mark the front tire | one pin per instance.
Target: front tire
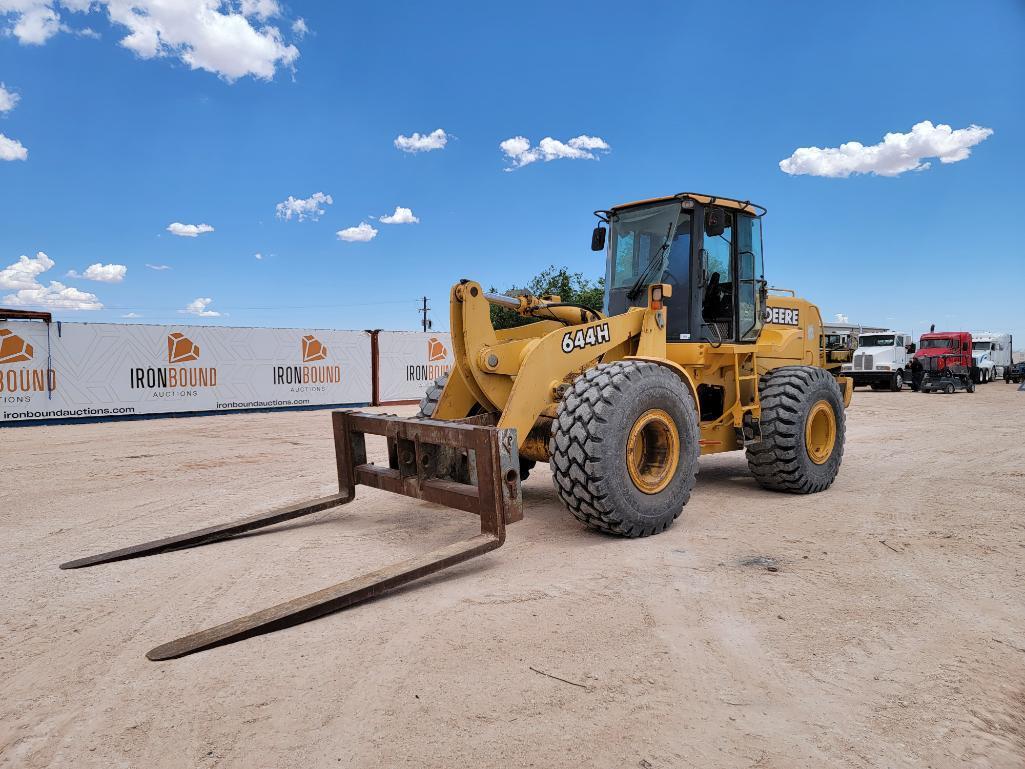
(803, 429)
(430, 402)
(898, 382)
(625, 447)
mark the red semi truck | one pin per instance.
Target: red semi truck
(943, 362)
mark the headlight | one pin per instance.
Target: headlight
(885, 367)
(847, 367)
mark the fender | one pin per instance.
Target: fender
(676, 368)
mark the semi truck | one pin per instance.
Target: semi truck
(991, 355)
(881, 360)
(943, 362)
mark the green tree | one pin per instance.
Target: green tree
(570, 287)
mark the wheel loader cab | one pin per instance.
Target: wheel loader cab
(709, 250)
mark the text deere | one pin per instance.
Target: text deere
(782, 316)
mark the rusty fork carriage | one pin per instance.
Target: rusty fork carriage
(469, 464)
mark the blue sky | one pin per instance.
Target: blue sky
(232, 109)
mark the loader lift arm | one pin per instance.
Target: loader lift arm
(417, 468)
(518, 373)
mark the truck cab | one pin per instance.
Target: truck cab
(881, 360)
(992, 356)
(943, 354)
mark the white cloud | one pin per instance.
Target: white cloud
(229, 39)
(188, 230)
(894, 155)
(131, 315)
(159, 267)
(435, 140)
(33, 22)
(299, 28)
(12, 149)
(261, 9)
(56, 296)
(841, 318)
(102, 273)
(401, 216)
(199, 307)
(361, 233)
(518, 151)
(8, 99)
(303, 208)
(258, 256)
(23, 273)
(29, 292)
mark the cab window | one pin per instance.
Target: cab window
(750, 276)
(717, 301)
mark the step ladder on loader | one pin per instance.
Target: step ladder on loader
(469, 465)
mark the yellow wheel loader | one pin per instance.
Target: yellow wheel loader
(692, 354)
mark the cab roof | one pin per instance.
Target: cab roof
(745, 206)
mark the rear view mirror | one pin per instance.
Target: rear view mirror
(911, 348)
(598, 239)
(715, 221)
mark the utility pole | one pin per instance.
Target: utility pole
(423, 311)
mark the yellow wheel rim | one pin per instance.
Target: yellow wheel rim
(653, 451)
(820, 432)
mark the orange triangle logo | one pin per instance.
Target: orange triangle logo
(181, 349)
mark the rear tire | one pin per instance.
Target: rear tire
(599, 434)
(795, 455)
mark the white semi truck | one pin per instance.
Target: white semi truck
(991, 354)
(881, 360)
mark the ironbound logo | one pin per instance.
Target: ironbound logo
(428, 372)
(180, 349)
(782, 316)
(312, 350)
(14, 349)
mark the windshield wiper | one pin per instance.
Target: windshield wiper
(642, 279)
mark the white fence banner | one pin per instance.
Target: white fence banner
(105, 369)
(408, 362)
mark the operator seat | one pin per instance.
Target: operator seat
(717, 308)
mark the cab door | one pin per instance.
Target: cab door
(751, 286)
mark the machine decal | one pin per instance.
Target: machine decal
(782, 316)
(582, 338)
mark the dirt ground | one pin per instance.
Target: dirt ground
(879, 624)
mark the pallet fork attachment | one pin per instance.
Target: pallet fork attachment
(470, 465)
